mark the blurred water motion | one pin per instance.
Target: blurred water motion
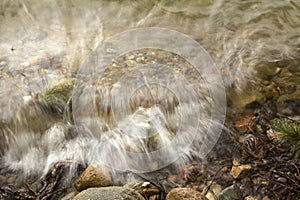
(43, 42)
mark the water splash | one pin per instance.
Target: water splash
(52, 40)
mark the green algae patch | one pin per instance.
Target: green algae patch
(59, 95)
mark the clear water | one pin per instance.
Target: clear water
(43, 42)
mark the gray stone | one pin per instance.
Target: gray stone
(109, 193)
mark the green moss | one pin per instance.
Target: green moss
(291, 132)
(59, 95)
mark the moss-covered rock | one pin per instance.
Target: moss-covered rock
(59, 96)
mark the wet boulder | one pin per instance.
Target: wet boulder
(94, 176)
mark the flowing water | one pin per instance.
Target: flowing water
(44, 42)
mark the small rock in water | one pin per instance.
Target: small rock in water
(94, 176)
(241, 171)
(185, 194)
(231, 193)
